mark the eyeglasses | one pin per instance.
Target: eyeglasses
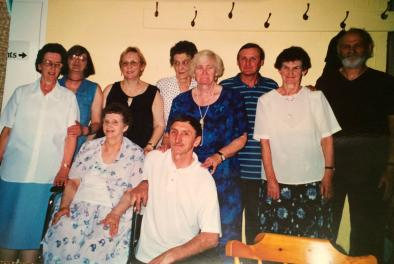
(48, 63)
(78, 57)
(130, 63)
(183, 63)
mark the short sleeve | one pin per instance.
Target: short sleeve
(261, 127)
(209, 213)
(135, 174)
(9, 113)
(73, 111)
(323, 114)
(79, 165)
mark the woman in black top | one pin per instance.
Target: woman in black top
(143, 100)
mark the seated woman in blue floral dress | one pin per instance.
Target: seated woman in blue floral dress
(224, 132)
(103, 170)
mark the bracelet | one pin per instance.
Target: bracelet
(66, 166)
(329, 168)
(150, 143)
(90, 130)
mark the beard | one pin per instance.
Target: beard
(353, 62)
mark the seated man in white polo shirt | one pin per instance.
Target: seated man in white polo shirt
(182, 216)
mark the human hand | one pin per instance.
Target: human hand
(386, 182)
(212, 162)
(148, 148)
(61, 176)
(111, 221)
(164, 258)
(62, 211)
(273, 189)
(139, 195)
(75, 130)
(326, 184)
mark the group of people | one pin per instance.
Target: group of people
(245, 143)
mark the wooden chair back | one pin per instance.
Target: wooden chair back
(291, 249)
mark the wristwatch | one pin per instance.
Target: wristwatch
(221, 155)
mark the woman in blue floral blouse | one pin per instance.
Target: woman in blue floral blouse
(103, 170)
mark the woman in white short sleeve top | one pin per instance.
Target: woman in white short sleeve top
(295, 127)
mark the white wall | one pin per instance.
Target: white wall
(27, 35)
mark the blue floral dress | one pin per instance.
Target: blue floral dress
(225, 120)
(81, 238)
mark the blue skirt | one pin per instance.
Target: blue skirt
(22, 214)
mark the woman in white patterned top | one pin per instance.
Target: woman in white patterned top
(180, 56)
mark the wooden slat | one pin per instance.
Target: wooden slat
(292, 249)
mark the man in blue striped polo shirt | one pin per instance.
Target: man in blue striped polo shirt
(251, 85)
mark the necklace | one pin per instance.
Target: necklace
(202, 117)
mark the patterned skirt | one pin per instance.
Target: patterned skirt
(81, 238)
(301, 210)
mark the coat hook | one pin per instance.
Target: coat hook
(384, 15)
(343, 24)
(157, 9)
(230, 15)
(305, 15)
(266, 23)
(193, 23)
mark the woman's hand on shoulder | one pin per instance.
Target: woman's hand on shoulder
(273, 189)
(212, 162)
(62, 211)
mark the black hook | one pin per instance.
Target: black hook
(305, 15)
(343, 24)
(193, 23)
(157, 9)
(230, 14)
(384, 15)
(266, 23)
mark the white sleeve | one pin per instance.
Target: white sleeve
(74, 114)
(9, 113)
(261, 127)
(135, 171)
(323, 114)
(209, 212)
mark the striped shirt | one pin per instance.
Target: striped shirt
(250, 156)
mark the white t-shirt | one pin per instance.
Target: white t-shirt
(181, 203)
(295, 126)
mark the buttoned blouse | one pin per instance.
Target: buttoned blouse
(295, 126)
(38, 125)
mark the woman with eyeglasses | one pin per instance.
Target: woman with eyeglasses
(142, 99)
(80, 66)
(35, 153)
(181, 55)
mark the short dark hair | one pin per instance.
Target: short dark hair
(184, 46)
(292, 54)
(79, 50)
(190, 120)
(117, 108)
(54, 48)
(364, 35)
(252, 46)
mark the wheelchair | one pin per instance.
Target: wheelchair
(56, 191)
